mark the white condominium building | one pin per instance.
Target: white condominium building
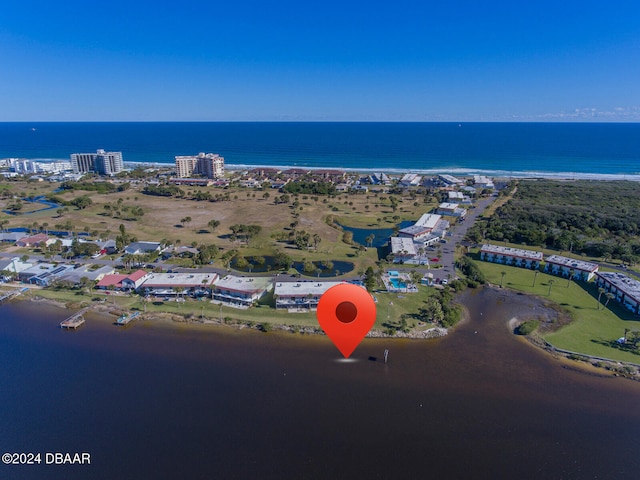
(104, 163)
(210, 165)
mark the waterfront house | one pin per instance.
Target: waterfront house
(178, 283)
(511, 256)
(14, 265)
(34, 270)
(75, 276)
(450, 180)
(241, 292)
(134, 280)
(410, 180)
(625, 289)
(558, 265)
(49, 273)
(481, 181)
(300, 296)
(113, 281)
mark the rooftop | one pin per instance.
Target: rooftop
(628, 285)
(402, 245)
(512, 252)
(428, 220)
(180, 279)
(572, 263)
(448, 206)
(244, 284)
(303, 288)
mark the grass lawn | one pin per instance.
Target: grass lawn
(593, 331)
(389, 307)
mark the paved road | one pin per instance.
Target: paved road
(455, 236)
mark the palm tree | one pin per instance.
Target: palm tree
(572, 272)
(609, 296)
(600, 292)
(551, 282)
(502, 278)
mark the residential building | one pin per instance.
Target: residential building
(33, 240)
(113, 281)
(50, 275)
(450, 180)
(458, 197)
(104, 163)
(511, 256)
(300, 296)
(480, 181)
(241, 292)
(142, 248)
(209, 165)
(14, 265)
(403, 249)
(581, 270)
(410, 180)
(451, 210)
(134, 280)
(423, 228)
(178, 283)
(84, 271)
(12, 237)
(625, 289)
(192, 182)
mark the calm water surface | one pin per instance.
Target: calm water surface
(165, 401)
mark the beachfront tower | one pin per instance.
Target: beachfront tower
(104, 163)
(209, 165)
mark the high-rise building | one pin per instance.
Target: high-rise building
(210, 165)
(104, 163)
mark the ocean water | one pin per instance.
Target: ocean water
(510, 149)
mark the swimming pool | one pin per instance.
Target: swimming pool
(397, 283)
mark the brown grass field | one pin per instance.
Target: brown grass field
(162, 217)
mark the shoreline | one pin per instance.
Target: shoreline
(545, 311)
(455, 171)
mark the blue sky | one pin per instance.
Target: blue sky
(320, 60)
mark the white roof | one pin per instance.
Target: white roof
(402, 245)
(628, 285)
(244, 284)
(512, 252)
(572, 263)
(428, 220)
(448, 206)
(180, 279)
(303, 288)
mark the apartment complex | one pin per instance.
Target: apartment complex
(104, 163)
(210, 165)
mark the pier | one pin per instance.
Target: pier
(12, 294)
(125, 319)
(75, 320)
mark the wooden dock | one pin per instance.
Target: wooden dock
(12, 294)
(75, 320)
(125, 319)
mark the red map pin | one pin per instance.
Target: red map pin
(346, 313)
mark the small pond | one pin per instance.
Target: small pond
(381, 234)
(268, 263)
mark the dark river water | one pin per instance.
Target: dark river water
(169, 401)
